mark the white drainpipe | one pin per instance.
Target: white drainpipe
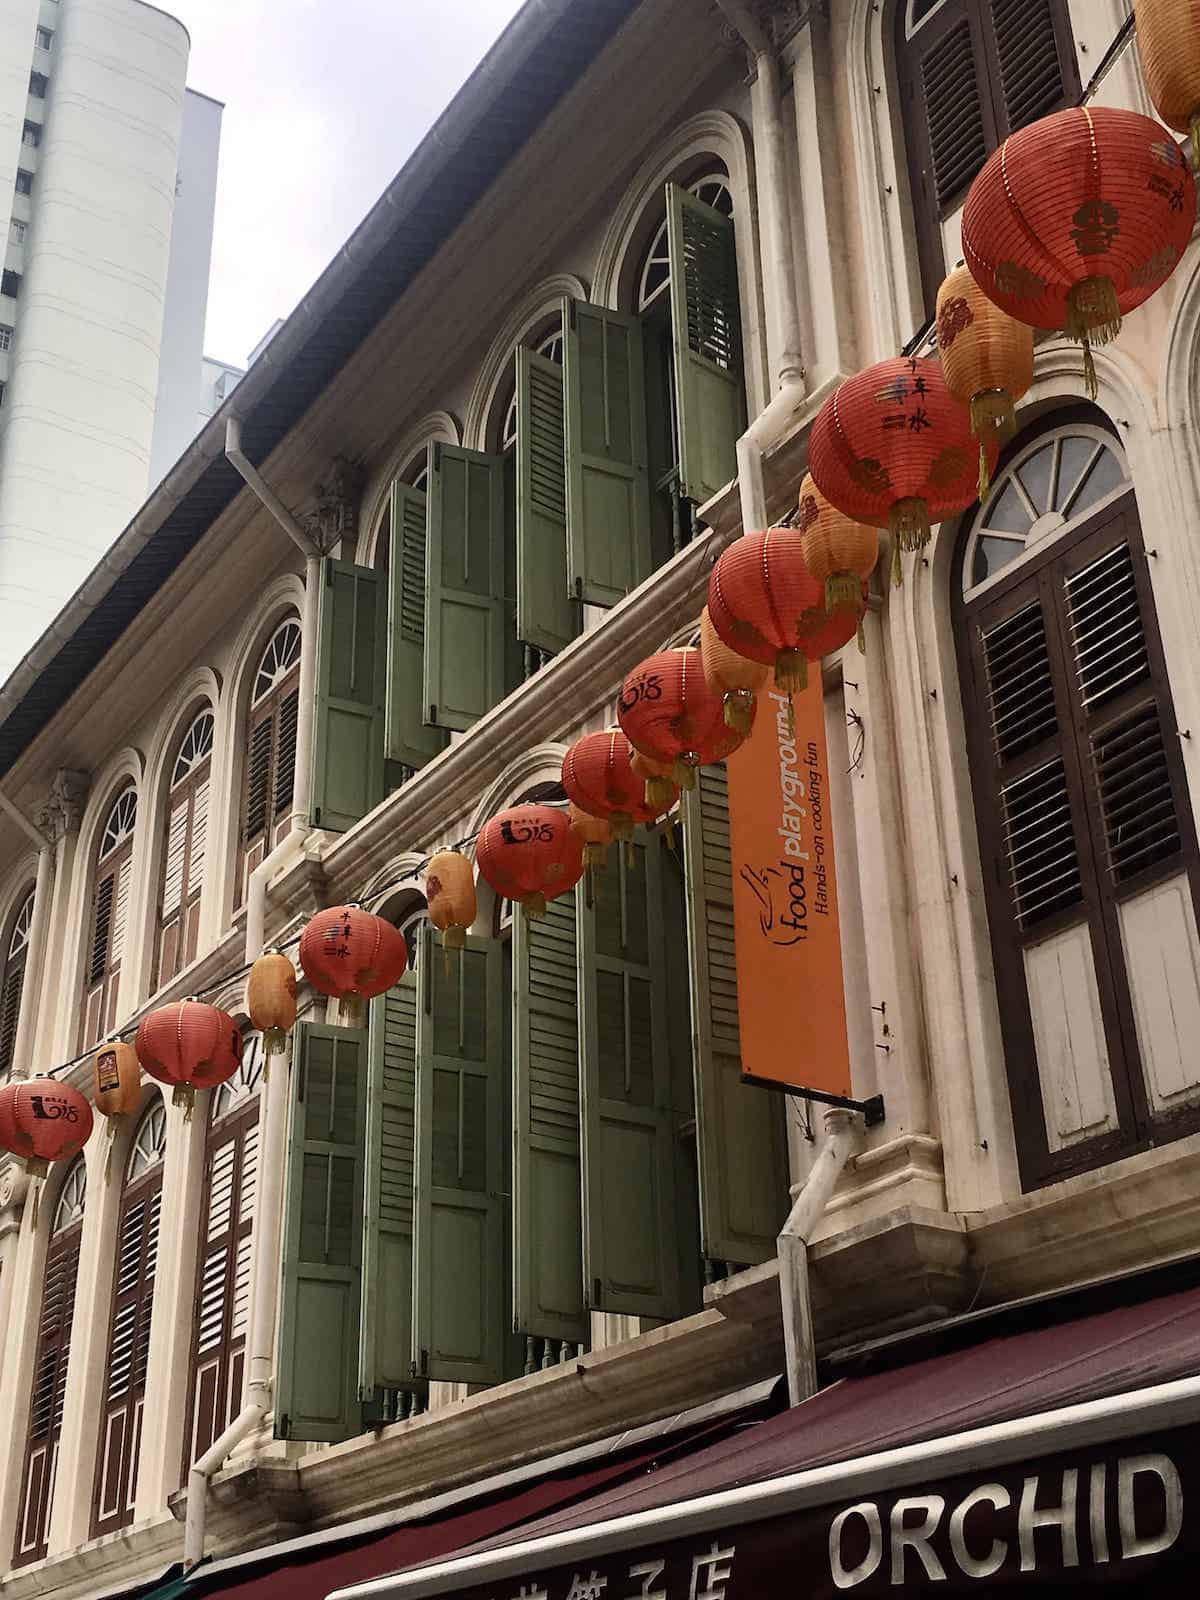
(35, 955)
(782, 306)
(268, 1223)
(842, 1136)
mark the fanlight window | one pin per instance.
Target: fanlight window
(196, 747)
(550, 349)
(714, 190)
(119, 825)
(1047, 489)
(235, 1091)
(149, 1142)
(69, 1209)
(280, 656)
(22, 923)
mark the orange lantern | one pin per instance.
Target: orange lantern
(598, 775)
(1078, 218)
(732, 675)
(892, 447)
(271, 999)
(116, 1079)
(352, 955)
(987, 360)
(530, 854)
(189, 1045)
(839, 552)
(661, 791)
(595, 834)
(668, 712)
(450, 891)
(42, 1120)
(1170, 48)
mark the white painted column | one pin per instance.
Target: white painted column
(23, 1270)
(13, 1188)
(160, 1461)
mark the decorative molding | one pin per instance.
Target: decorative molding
(14, 1187)
(63, 811)
(335, 515)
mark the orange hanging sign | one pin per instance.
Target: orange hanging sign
(791, 999)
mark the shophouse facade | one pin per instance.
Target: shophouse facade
(574, 350)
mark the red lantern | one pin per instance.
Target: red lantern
(765, 604)
(1078, 218)
(892, 447)
(531, 854)
(42, 1120)
(598, 775)
(348, 953)
(189, 1045)
(669, 713)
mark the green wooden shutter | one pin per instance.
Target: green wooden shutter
(608, 491)
(347, 759)
(464, 587)
(546, 616)
(408, 739)
(708, 344)
(385, 1347)
(462, 1130)
(547, 1220)
(316, 1361)
(630, 1259)
(740, 1130)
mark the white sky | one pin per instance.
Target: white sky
(324, 102)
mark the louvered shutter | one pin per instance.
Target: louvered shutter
(409, 741)
(740, 1132)
(547, 1217)
(546, 615)
(465, 627)
(706, 326)
(174, 889)
(1032, 45)
(316, 1396)
(257, 805)
(385, 1345)
(10, 1010)
(608, 493)
(283, 775)
(462, 1129)
(47, 1396)
(630, 1262)
(222, 1283)
(197, 851)
(128, 1356)
(347, 770)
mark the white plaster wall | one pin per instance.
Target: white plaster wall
(75, 449)
(181, 373)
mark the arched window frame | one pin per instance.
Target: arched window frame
(185, 848)
(222, 1297)
(414, 476)
(109, 921)
(12, 986)
(49, 1384)
(269, 752)
(128, 1345)
(991, 67)
(1086, 770)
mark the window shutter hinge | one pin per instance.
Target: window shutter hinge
(433, 714)
(285, 1426)
(424, 1363)
(571, 313)
(597, 1294)
(579, 588)
(437, 456)
(317, 815)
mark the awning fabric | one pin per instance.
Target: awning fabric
(1132, 1347)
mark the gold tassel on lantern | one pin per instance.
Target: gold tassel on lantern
(661, 792)
(597, 834)
(737, 679)
(908, 523)
(1093, 318)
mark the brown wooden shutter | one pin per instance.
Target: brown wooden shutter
(183, 875)
(109, 916)
(222, 1304)
(284, 774)
(1030, 43)
(10, 1010)
(1083, 808)
(128, 1354)
(47, 1395)
(270, 777)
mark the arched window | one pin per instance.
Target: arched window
(13, 983)
(50, 1368)
(970, 72)
(129, 1325)
(184, 849)
(110, 909)
(270, 770)
(415, 477)
(1085, 829)
(222, 1301)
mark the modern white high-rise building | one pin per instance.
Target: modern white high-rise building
(107, 187)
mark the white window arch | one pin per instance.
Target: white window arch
(71, 1197)
(269, 771)
(713, 189)
(149, 1142)
(550, 348)
(1047, 489)
(185, 849)
(234, 1092)
(110, 909)
(278, 659)
(13, 985)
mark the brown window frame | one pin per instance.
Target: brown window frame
(102, 980)
(273, 713)
(1042, 577)
(178, 932)
(51, 1353)
(927, 210)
